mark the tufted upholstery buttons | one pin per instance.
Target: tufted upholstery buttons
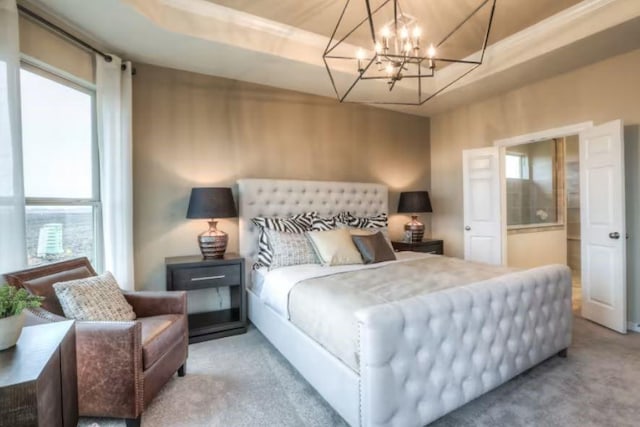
(266, 197)
(459, 343)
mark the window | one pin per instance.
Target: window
(60, 168)
(532, 185)
(517, 166)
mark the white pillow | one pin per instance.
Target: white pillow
(94, 298)
(335, 247)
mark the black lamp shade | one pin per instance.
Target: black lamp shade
(211, 202)
(414, 202)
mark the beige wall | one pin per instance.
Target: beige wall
(528, 250)
(194, 130)
(601, 92)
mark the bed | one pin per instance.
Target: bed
(422, 356)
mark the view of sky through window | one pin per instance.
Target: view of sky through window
(57, 138)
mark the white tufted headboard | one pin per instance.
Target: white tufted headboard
(281, 197)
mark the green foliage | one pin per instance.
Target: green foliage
(13, 301)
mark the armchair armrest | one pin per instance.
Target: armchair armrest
(149, 303)
(39, 316)
(109, 360)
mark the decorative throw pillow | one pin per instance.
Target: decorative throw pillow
(376, 221)
(374, 248)
(290, 249)
(334, 247)
(330, 223)
(295, 224)
(368, 232)
(94, 298)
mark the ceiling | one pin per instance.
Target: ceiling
(280, 42)
(320, 16)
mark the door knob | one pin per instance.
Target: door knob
(615, 235)
(467, 228)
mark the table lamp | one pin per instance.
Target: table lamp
(212, 202)
(413, 202)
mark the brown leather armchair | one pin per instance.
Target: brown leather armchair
(121, 365)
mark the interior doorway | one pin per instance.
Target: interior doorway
(600, 269)
(548, 230)
(542, 183)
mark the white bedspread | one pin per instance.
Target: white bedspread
(278, 283)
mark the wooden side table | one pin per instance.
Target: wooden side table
(429, 246)
(188, 273)
(38, 380)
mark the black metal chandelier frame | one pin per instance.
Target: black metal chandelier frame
(402, 60)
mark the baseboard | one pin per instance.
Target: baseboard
(633, 326)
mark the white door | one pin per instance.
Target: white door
(482, 209)
(604, 284)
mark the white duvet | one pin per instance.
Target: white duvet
(278, 283)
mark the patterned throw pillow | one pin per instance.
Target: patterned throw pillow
(330, 223)
(94, 298)
(295, 224)
(290, 249)
(376, 221)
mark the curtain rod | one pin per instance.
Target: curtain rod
(66, 34)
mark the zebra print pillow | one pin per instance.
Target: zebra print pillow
(330, 223)
(295, 224)
(376, 221)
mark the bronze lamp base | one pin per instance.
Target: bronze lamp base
(413, 230)
(213, 242)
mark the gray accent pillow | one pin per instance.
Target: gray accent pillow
(374, 248)
(290, 249)
(96, 298)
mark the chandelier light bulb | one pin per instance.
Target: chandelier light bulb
(407, 47)
(378, 47)
(404, 33)
(431, 52)
(360, 55)
(389, 69)
(385, 32)
(417, 32)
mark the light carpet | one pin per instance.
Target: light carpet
(244, 381)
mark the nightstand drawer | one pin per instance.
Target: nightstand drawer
(206, 277)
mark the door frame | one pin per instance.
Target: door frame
(559, 132)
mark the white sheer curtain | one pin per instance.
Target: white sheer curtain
(12, 213)
(113, 98)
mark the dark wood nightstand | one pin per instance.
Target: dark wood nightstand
(188, 273)
(429, 246)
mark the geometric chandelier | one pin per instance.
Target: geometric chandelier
(380, 53)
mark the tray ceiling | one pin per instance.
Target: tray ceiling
(280, 42)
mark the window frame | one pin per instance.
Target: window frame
(95, 202)
(524, 162)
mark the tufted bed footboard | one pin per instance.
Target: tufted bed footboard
(423, 357)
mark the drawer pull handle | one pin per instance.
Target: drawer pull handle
(198, 279)
(433, 252)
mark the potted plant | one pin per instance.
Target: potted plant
(12, 302)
